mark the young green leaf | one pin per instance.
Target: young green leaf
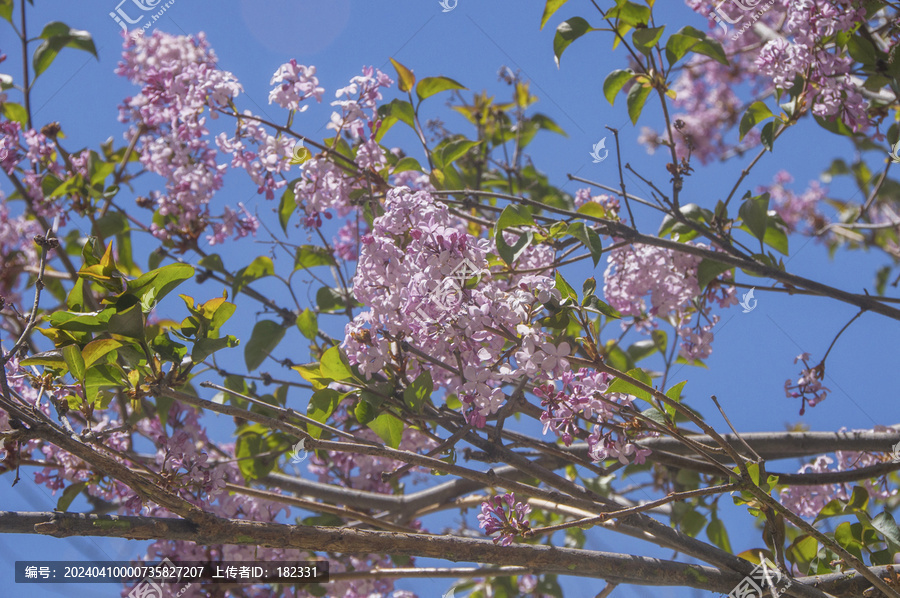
(614, 83)
(406, 78)
(265, 337)
(755, 114)
(568, 32)
(56, 36)
(551, 7)
(637, 97)
(429, 86)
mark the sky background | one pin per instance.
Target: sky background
(752, 354)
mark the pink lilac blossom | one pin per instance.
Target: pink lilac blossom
(808, 387)
(296, 84)
(263, 156)
(10, 153)
(800, 213)
(504, 515)
(669, 279)
(358, 102)
(705, 98)
(412, 276)
(807, 501)
(179, 82)
(17, 249)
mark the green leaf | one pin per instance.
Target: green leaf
(767, 135)
(589, 238)
(641, 349)
(397, 110)
(161, 280)
(57, 36)
(754, 212)
(776, 239)
(168, 349)
(646, 38)
(128, 323)
(75, 362)
(718, 535)
(96, 349)
(321, 405)
(14, 112)
(624, 386)
(205, 347)
(68, 495)
(256, 454)
(755, 114)
(548, 124)
(637, 97)
(689, 39)
(692, 523)
(512, 215)
(308, 323)
(331, 300)
(551, 7)
(334, 364)
(102, 376)
(6, 9)
(429, 86)
(565, 288)
(310, 256)
(568, 32)
(406, 78)
(419, 391)
(288, 204)
(365, 412)
(406, 163)
(629, 13)
(455, 150)
(265, 337)
(53, 359)
(708, 270)
(606, 309)
(614, 83)
(884, 523)
(388, 428)
(258, 268)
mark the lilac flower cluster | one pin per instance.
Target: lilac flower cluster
(179, 82)
(808, 387)
(799, 212)
(504, 515)
(412, 271)
(323, 185)
(636, 273)
(807, 501)
(705, 88)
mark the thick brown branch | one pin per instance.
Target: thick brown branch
(617, 568)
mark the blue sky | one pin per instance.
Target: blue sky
(752, 354)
